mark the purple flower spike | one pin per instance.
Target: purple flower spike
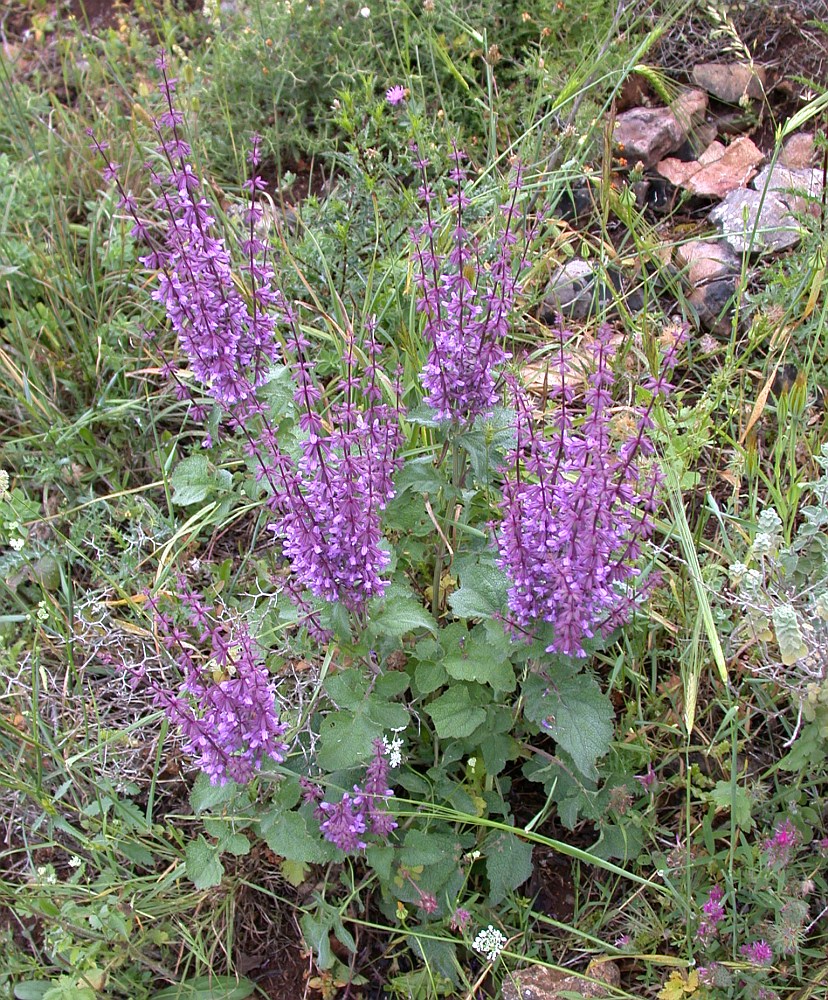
(344, 823)
(225, 706)
(577, 505)
(466, 297)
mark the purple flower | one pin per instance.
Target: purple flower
(780, 847)
(713, 914)
(227, 337)
(577, 505)
(396, 94)
(225, 706)
(344, 823)
(330, 499)
(758, 953)
(466, 297)
(460, 919)
(648, 779)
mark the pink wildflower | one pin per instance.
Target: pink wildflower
(396, 94)
(713, 914)
(780, 847)
(758, 953)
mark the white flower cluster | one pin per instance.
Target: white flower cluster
(393, 749)
(490, 942)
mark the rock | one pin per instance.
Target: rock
(799, 152)
(647, 135)
(706, 260)
(711, 272)
(769, 224)
(576, 291)
(790, 186)
(576, 204)
(539, 982)
(714, 304)
(718, 170)
(730, 82)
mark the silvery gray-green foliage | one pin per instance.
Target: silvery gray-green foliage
(782, 589)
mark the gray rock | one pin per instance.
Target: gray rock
(755, 221)
(730, 82)
(711, 272)
(575, 291)
(791, 185)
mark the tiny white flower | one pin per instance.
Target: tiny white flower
(75, 861)
(4, 483)
(490, 942)
(393, 749)
(17, 543)
(364, 11)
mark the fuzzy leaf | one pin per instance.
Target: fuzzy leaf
(454, 715)
(204, 867)
(210, 987)
(287, 835)
(575, 712)
(508, 864)
(195, 478)
(792, 646)
(735, 800)
(399, 615)
(483, 589)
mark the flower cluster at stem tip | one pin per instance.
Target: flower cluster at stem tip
(577, 506)
(346, 822)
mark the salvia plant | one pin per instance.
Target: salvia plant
(524, 527)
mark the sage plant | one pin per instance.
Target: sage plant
(577, 504)
(466, 297)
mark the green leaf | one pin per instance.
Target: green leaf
(424, 848)
(487, 442)
(204, 867)
(734, 799)
(380, 859)
(31, 990)
(206, 796)
(575, 713)
(483, 588)
(195, 478)
(440, 958)
(623, 843)
(208, 988)
(399, 615)
(345, 740)
(287, 835)
(454, 714)
(508, 864)
(294, 871)
(481, 661)
(429, 676)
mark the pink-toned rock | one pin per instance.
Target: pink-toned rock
(717, 171)
(730, 82)
(799, 152)
(689, 107)
(706, 260)
(647, 134)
